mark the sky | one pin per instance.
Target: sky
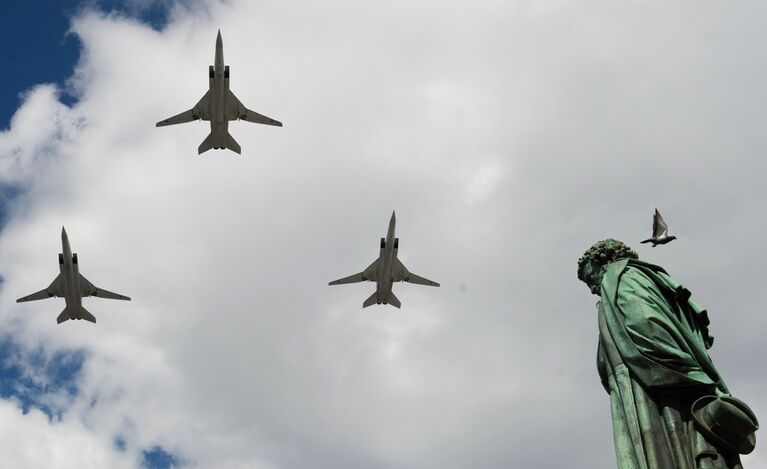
(508, 136)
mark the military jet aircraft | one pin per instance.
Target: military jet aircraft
(71, 285)
(386, 270)
(219, 106)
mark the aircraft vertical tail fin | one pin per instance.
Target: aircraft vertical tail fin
(64, 316)
(372, 299)
(87, 315)
(232, 144)
(206, 144)
(393, 300)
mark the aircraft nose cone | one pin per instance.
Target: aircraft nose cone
(218, 39)
(63, 233)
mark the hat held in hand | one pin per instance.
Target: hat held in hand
(726, 422)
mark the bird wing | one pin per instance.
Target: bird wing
(659, 227)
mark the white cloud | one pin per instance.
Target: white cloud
(38, 129)
(568, 127)
(484, 181)
(31, 440)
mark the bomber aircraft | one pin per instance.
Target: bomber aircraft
(71, 285)
(219, 106)
(385, 270)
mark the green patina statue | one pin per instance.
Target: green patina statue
(670, 407)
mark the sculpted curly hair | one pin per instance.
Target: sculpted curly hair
(603, 253)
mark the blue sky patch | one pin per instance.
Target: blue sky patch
(8, 193)
(36, 48)
(158, 458)
(120, 443)
(39, 380)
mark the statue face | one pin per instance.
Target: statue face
(592, 274)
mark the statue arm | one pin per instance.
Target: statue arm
(602, 367)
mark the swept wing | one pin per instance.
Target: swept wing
(371, 274)
(401, 274)
(201, 110)
(54, 289)
(88, 289)
(236, 110)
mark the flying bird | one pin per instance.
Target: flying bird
(659, 231)
(71, 285)
(219, 106)
(385, 270)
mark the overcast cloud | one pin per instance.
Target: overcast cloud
(508, 136)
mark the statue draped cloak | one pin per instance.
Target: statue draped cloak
(653, 361)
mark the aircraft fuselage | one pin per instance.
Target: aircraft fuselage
(70, 274)
(388, 255)
(219, 86)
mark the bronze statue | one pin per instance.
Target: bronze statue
(670, 408)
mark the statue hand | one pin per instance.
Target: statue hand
(719, 393)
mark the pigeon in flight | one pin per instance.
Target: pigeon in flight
(659, 231)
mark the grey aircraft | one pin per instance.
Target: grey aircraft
(71, 285)
(219, 106)
(386, 270)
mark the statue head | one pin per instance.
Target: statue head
(593, 263)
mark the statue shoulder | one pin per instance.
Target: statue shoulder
(628, 278)
(611, 278)
(633, 275)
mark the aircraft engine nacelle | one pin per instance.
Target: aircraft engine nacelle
(74, 258)
(211, 72)
(75, 266)
(226, 71)
(61, 259)
(396, 243)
